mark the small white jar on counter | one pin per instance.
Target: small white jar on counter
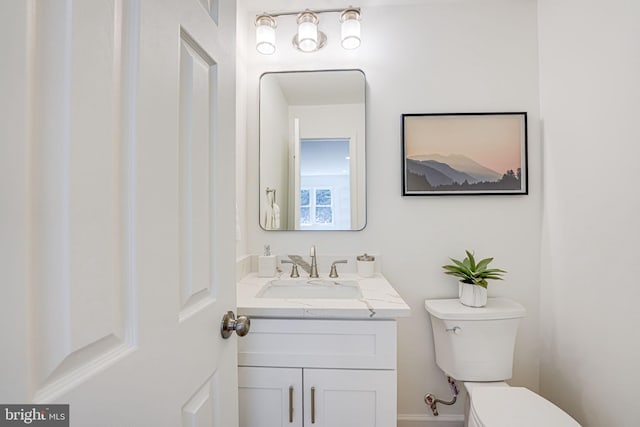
(366, 265)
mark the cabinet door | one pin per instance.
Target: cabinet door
(348, 398)
(270, 397)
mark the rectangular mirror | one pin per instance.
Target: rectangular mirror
(312, 150)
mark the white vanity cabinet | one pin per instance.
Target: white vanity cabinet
(318, 373)
(270, 397)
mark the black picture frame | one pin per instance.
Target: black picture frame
(464, 154)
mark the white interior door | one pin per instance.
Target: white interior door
(353, 181)
(116, 256)
(296, 174)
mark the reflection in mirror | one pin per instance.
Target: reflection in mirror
(312, 150)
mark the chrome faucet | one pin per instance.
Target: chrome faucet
(311, 269)
(294, 268)
(334, 271)
(314, 264)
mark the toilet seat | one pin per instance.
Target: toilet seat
(514, 406)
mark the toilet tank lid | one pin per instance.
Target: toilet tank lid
(496, 308)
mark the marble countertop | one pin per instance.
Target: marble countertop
(379, 301)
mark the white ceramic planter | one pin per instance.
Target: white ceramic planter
(472, 295)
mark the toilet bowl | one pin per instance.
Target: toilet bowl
(499, 405)
(475, 346)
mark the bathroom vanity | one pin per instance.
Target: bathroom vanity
(320, 355)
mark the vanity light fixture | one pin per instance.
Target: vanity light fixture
(350, 28)
(308, 37)
(266, 34)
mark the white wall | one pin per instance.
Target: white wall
(457, 56)
(590, 102)
(243, 48)
(274, 132)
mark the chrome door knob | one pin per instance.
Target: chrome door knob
(229, 324)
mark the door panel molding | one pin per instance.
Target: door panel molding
(200, 410)
(82, 285)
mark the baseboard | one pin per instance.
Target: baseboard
(425, 420)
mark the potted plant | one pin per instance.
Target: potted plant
(472, 288)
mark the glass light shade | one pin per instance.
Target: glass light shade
(266, 35)
(350, 29)
(307, 32)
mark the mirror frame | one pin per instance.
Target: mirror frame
(260, 148)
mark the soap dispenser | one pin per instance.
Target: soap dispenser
(267, 263)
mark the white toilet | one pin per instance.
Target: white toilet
(475, 346)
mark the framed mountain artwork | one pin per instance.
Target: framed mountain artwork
(464, 153)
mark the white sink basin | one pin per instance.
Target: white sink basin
(311, 288)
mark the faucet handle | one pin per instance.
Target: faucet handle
(334, 271)
(294, 268)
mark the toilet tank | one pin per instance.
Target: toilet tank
(475, 344)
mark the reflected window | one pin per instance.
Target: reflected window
(316, 207)
(324, 207)
(305, 207)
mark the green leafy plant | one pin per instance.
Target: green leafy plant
(470, 271)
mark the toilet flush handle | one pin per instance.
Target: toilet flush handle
(456, 330)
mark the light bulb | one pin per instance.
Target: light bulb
(350, 29)
(307, 32)
(265, 34)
